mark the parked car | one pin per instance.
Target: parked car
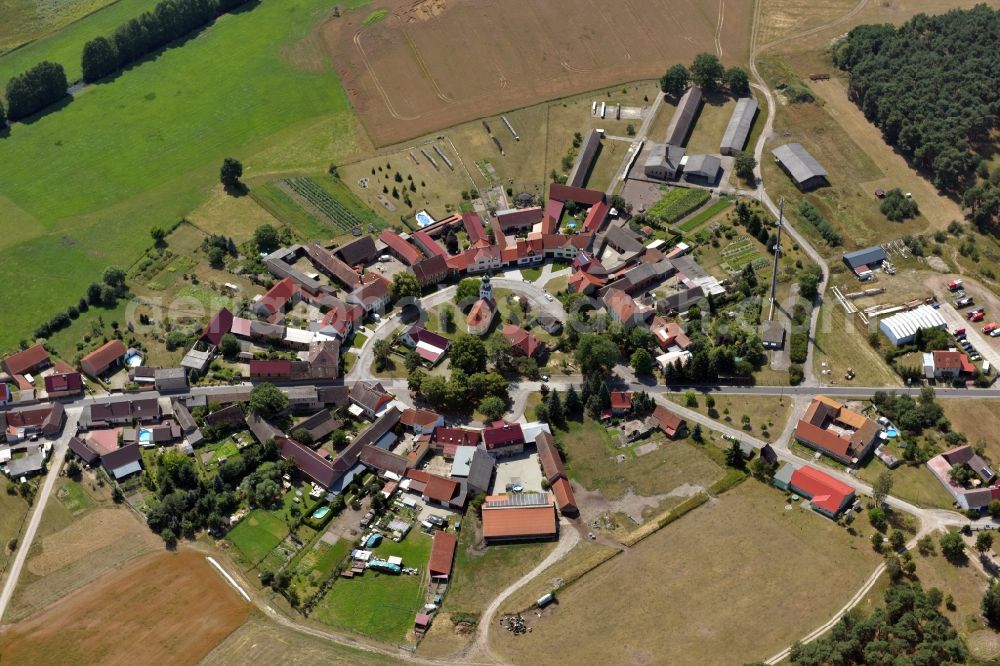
(995, 333)
(959, 332)
(954, 285)
(963, 302)
(977, 315)
(975, 357)
(990, 327)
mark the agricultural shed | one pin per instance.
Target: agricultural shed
(801, 167)
(585, 160)
(442, 556)
(865, 258)
(902, 328)
(680, 123)
(735, 136)
(703, 169)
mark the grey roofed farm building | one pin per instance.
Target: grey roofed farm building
(800, 166)
(32, 462)
(584, 162)
(773, 335)
(663, 162)
(359, 251)
(702, 169)
(481, 471)
(122, 462)
(680, 123)
(865, 257)
(739, 126)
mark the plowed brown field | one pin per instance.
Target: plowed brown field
(432, 64)
(164, 608)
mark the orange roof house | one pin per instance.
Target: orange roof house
(832, 429)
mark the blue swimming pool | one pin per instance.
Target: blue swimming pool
(145, 435)
(892, 432)
(320, 513)
(424, 218)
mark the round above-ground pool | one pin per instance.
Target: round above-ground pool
(892, 432)
(145, 435)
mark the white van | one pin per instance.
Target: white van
(986, 368)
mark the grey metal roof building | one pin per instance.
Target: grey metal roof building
(739, 126)
(585, 160)
(663, 162)
(702, 169)
(687, 109)
(800, 165)
(865, 257)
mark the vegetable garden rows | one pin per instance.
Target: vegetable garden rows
(320, 198)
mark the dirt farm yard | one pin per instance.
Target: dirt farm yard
(431, 64)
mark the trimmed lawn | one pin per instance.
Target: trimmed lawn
(591, 460)
(677, 594)
(532, 273)
(170, 106)
(381, 606)
(257, 534)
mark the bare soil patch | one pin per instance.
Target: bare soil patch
(437, 63)
(164, 608)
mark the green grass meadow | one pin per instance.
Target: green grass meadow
(82, 185)
(257, 534)
(380, 605)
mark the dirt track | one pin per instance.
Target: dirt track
(163, 608)
(436, 63)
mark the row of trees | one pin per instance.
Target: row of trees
(708, 73)
(149, 31)
(35, 89)
(931, 86)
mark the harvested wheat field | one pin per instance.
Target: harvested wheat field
(430, 64)
(163, 608)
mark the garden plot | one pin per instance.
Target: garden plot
(740, 253)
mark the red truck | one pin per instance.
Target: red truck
(990, 327)
(954, 285)
(977, 314)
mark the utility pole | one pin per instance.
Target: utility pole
(777, 257)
